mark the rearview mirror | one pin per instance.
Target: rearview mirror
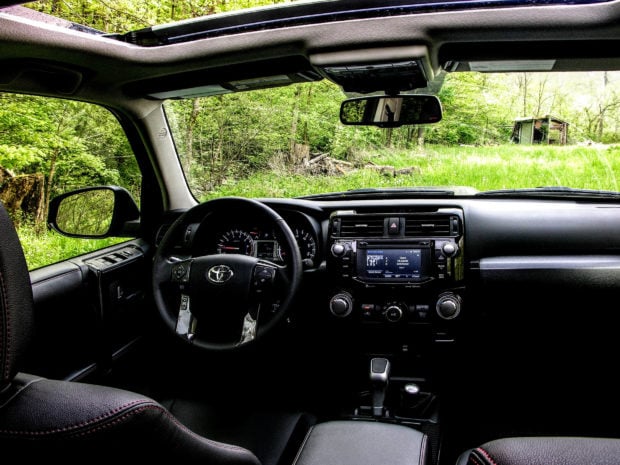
(391, 111)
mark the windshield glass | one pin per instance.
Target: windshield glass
(499, 131)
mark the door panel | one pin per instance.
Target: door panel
(88, 312)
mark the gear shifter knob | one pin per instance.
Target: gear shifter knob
(379, 370)
(379, 378)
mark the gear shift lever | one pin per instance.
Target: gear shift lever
(379, 378)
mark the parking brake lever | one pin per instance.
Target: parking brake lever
(379, 379)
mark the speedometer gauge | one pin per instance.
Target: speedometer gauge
(235, 241)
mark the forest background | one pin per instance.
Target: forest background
(63, 145)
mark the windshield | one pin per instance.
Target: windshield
(499, 131)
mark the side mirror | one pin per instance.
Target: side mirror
(391, 111)
(94, 212)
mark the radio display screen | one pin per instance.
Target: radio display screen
(391, 263)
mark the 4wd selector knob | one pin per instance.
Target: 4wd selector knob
(341, 304)
(448, 305)
(393, 313)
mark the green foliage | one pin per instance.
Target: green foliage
(48, 247)
(89, 213)
(484, 168)
(17, 158)
(233, 135)
(79, 144)
(73, 145)
(126, 15)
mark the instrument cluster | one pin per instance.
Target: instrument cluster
(264, 243)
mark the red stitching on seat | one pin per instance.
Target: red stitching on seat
(79, 425)
(122, 418)
(230, 447)
(487, 455)
(7, 329)
(119, 419)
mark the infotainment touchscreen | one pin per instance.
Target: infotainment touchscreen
(389, 263)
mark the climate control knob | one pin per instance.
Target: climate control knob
(393, 313)
(338, 249)
(341, 304)
(448, 306)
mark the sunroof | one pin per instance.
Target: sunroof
(280, 13)
(308, 12)
(34, 15)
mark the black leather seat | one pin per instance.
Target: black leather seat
(544, 451)
(42, 418)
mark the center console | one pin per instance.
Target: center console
(399, 278)
(397, 267)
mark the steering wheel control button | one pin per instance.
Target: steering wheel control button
(180, 272)
(263, 278)
(264, 275)
(185, 319)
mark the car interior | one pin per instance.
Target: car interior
(496, 344)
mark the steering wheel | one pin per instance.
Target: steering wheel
(223, 301)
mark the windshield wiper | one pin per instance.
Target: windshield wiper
(552, 191)
(377, 193)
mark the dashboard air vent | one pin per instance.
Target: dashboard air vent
(428, 225)
(362, 226)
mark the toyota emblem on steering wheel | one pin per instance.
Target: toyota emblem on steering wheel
(219, 274)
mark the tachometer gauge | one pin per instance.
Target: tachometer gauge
(235, 241)
(306, 243)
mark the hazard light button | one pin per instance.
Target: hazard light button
(393, 226)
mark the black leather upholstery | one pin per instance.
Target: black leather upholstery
(16, 307)
(246, 427)
(545, 451)
(47, 419)
(43, 418)
(363, 443)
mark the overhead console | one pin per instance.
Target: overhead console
(395, 267)
(388, 69)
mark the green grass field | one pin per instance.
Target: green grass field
(484, 168)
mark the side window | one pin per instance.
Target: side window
(50, 146)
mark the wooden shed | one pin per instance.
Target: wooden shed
(544, 130)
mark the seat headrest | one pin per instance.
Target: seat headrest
(16, 304)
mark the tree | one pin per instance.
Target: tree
(71, 144)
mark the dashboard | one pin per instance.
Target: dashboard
(435, 263)
(466, 255)
(444, 286)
